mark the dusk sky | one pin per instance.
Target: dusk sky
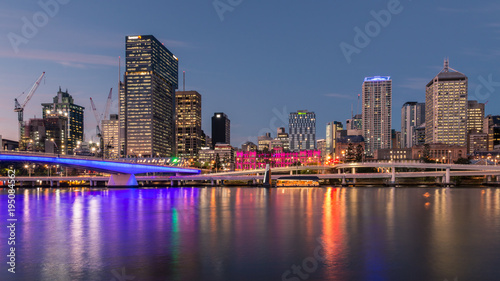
(256, 61)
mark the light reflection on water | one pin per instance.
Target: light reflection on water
(255, 234)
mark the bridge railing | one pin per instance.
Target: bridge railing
(81, 157)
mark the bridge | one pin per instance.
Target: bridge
(121, 173)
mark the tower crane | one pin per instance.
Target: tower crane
(19, 108)
(99, 118)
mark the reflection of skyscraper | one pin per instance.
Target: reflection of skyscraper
(412, 116)
(221, 129)
(377, 113)
(150, 83)
(302, 127)
(63, 105)
(446, 107)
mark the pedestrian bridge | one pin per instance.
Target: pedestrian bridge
(122, 173)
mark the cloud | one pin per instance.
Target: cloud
(341, 96)
(64, 58)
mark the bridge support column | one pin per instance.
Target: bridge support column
(393, 177)
(51, 183)
(122, 180)
(212, 182)
(291, 172)
(344, 183)
(353, 172)
(58, 183)
(446, 178)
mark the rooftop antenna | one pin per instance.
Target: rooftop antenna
(352, 114)
(184, 81)
(446, 64)
(357, 106)
(119, 71)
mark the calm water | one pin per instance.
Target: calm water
(255, 234)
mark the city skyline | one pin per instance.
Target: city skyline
(225, 72)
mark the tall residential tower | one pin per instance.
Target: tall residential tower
(377, 113)
(412, 116)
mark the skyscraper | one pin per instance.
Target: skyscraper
(221, 129)
(446, 107)
(377, 113)
(110, 131)
(188, 123)
(302, 127)
(412, 116)
(475, 116)
(149, 102)
(331, 137)
(63, 105)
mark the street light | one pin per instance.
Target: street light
(52, 140)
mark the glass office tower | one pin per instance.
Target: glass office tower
(148, 107)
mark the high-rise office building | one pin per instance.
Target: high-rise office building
(446, 107)
(492, 128)
(188, 123)
(377, 113)
(284, 138)
(332, 129)
(122, 136)
(63, 105)
(149, 97)
(475, 116)
(412, 116)
(302, 128)
(221, 129)
(110, 132)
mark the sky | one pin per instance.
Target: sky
(256, 61)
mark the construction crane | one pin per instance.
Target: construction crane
(99, 118)
(19, 108)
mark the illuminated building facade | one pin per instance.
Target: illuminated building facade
(221, 129)
(283, 137)
(63, 105)
(249, 160)
(492, 128)
(475, 116)
(446, 108)
(332, 129)
(149, 98)
(49, 134)
(412, 116)
(377, 113)
(110, 131)
(188, 123)
(302, 128)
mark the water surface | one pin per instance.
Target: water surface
(254, 234)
